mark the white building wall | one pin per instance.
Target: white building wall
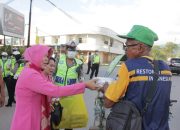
(63, 39)
(97, 42)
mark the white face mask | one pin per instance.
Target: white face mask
(71, 54)
(4, 58)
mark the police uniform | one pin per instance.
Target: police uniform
(6, 67)
(135, 78)
(67, 75)
(95, 65)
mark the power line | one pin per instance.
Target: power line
(69, 16)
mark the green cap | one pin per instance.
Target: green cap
(142, 34)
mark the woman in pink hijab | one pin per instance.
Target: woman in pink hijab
(31, 85)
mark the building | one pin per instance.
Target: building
(90, 39)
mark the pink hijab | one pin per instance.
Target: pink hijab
(36, 53)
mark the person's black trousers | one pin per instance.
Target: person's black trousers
(10, 88)
(89, 67)
(94, 68)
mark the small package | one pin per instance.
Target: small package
(102, 80)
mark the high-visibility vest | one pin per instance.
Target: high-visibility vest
(5, 67)
(13, 62)
(20, 68)
(65, 75)
(96, 59)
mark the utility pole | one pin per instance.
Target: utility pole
(29, 29)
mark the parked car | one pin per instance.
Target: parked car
(174, 64)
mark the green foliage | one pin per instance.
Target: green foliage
(170, 49)
(22, 49)
(157, 53)
(8, 49)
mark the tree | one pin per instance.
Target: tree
(170, 49)
(158, 53)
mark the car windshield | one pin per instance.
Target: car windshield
(175, 61)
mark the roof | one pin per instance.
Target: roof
(83, 29)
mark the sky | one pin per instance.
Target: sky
(162, 16)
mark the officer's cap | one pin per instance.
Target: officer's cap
(16, 53)
(71, 44)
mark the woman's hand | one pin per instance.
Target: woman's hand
(91, 84)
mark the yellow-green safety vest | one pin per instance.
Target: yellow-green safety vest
(13, 62)
(65, 75)
(20, 68)
(5, 70)
(96, 59)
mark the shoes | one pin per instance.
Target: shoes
(8, 105)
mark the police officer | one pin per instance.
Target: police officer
(19, 64)
(89, 62)
(69, 68)
(135, 79)
(18, 67)
(6, 68)
(95, 64)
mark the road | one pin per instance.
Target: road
(7, 112)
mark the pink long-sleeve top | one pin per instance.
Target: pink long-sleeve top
(29, 89)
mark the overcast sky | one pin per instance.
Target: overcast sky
(162, 16)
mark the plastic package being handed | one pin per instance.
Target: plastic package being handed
(102, 80)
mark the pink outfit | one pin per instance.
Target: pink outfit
(45, 109)
(29, 90)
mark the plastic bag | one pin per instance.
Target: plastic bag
(56, 115)
(75, 113)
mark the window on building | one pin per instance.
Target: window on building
(1, 42)
(106, 42)
(111, 42)
(80, 40)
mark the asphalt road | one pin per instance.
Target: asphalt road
(7, 112)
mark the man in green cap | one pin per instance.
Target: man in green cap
(136, 77)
